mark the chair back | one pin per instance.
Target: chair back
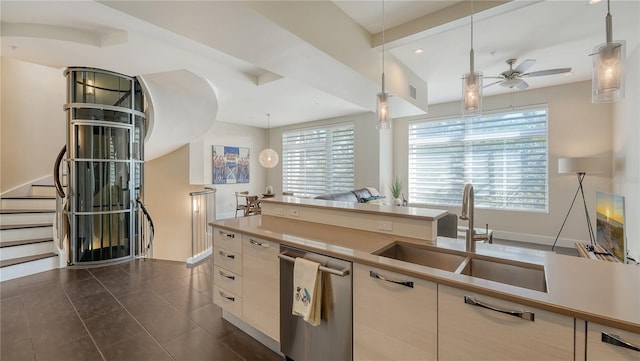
(241, 205)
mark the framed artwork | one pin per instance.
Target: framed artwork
(230, 164)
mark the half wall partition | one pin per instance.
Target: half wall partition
(105, 136)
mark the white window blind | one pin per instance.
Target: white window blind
(503, 155)
(316, 161)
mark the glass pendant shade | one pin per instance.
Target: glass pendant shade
(384, 120)
(268, 158)
(472, 93)
(608, 72)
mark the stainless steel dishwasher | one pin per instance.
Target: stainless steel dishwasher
(333, 338)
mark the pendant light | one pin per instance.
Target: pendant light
(268, 157)
(471, 83)
(608, 67)
(384, 117)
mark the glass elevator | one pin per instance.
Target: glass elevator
(105, 136)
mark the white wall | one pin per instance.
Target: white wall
(32, 122)
(224, 133)
(626, 145)
(577, 128)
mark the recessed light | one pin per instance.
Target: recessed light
(591, 2)
(418, 51)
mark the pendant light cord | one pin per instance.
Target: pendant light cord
(383, 46)
(471, 55)
(268, 127)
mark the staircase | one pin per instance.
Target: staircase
(26, 233)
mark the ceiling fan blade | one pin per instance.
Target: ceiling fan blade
(524, 66)
(522, 85)
(488, 85)
(547, 72)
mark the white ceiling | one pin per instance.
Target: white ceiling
(261, 59)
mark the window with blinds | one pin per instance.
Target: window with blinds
(316, 161)
(503, 155)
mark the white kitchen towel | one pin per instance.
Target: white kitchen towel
(307, 290)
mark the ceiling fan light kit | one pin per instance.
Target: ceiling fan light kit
(268, 157)
(382, 109)
(608, 67)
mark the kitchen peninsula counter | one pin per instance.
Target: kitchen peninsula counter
(602, 292)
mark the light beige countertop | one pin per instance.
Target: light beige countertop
(603, 292)
(378, 209)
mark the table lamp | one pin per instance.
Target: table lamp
(580, 167)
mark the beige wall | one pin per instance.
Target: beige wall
(32, 124)
(577, 128)
(166, 196)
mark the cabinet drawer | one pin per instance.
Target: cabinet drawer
(601, 340)
(491, 335)
(393, 321)
(228, 260)
(258, 247)
(227, 300)
(227, 280)
(261, 285)
(228, 240)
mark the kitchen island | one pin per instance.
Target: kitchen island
(585, 295)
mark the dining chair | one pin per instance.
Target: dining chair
(253, 206)
(241, 202)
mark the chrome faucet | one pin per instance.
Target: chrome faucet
(467, 214)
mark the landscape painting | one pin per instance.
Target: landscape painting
(230, 164)
(610, 224)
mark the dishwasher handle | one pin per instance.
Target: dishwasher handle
(341, 273)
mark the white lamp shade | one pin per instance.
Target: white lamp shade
(268, 158)
(384, 118)
(472, 93)
(608, 72)
(579, 165)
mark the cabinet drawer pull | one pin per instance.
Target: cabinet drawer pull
(525, 315)
(223, 254)
(402, 283)
(256, 243)
(228, 235)
(617, 341)
(226, 275)
(227, 297)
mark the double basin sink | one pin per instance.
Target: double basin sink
(515, 273)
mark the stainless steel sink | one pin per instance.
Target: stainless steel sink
(513, 273)
(422, 255)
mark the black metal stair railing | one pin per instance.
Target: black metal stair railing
(145, 232)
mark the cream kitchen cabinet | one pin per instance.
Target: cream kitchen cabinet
(261, 285)
(227, 278)
(394, 316)
(477, 327)
(607, 343)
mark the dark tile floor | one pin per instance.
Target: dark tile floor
(138, 310)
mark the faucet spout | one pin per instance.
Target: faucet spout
(467, 215)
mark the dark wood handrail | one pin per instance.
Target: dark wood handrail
(56, 172)
(148, 216)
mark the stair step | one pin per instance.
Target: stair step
(42, 190)
(24, 242)
(23, 226)
(15, 261)
(20, 232)
(24, 266)
(18, 211)
(28, 202)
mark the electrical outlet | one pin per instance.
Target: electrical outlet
(385, 226)
(294, 212)
(279, 212)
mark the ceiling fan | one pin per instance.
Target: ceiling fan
(512, 78)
